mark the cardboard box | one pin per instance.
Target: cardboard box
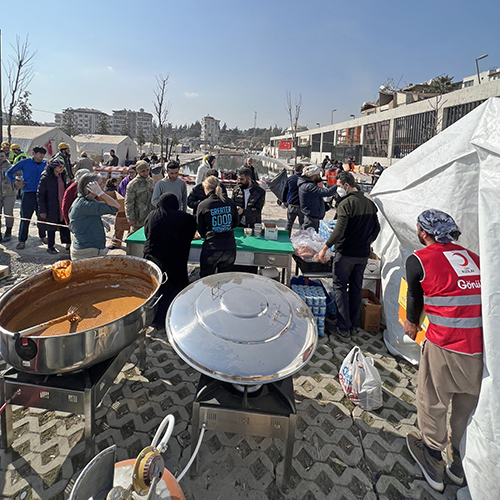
(270, 231)
(370, 313)
(423, 320)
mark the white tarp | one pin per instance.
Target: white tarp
(458, 171)
(100, 145)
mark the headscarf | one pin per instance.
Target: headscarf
(440, 225)
(168, 201)
(311, 170)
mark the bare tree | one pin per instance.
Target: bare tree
(293, 111)
(19, 72)
(162, 107)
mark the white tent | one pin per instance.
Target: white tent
(28, 137)
(100, 145)
(458, 171)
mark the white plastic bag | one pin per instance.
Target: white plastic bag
(307, 243)
(361, 380)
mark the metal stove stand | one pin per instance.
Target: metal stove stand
(268, 412)
(78, 393)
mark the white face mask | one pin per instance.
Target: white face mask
(341, 191)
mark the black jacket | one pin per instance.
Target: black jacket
(197, 195)
(216, 220)
(48, 195)
(291, 191)
(253, 213)
(311, 197)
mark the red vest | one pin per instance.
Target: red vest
(331, 178)
(452, 297)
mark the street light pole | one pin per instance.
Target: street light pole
(477, 67)
(333, 111)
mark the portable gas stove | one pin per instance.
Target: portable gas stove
(78, 393)
(247, 335)
(266, 410)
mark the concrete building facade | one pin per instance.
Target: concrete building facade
(210, 130)
(389, 134)
(134, 120)
(86, 119)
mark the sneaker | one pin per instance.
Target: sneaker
(454, 467)
(66, 250)
(344, 335)
(44, 240)
(52, 251)
(21, 245)
(432, 467)
(7, 237)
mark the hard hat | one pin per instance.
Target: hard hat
(15, 146)
(5, 144)
(63, 145)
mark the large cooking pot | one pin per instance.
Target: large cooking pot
(81, 349)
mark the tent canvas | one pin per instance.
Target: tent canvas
(28, 137)
(458, 171)
(100, 145)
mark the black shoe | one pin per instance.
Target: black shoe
(21, 245)
(8, 236)
(432, 467)
(44, 240)
(344, 335)
(52, 251)
(454, 467)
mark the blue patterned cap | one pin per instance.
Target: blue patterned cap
(440, 225)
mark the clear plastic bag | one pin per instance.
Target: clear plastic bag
(308, 243)
(361, 380)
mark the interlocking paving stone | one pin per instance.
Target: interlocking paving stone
(340, 451)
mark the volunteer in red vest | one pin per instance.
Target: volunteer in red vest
(444, 280)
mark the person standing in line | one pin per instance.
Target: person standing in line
(50, 196)
(169, 232)
(64, 154)
(17, 154)
(171, 184)
(291, 199)
(31, 169)
(89, 237)
(71, 193)
(84, 162)
(207, 164)
(311, 194)
(6, 149)
(249, 198)
(216, 217)
(356, 229)
(249, 164)
(131, 173)
(138, 196)
(7, 197)
(197, 194)
(444, 280)
(113, 159)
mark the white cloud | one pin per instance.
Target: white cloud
(191, 95)
(111, 69)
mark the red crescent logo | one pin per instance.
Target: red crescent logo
(465, 261)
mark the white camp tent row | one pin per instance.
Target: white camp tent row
(100, 145)
(27, 137)
(458, 171)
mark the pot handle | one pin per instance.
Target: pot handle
(168, 422)
(155, 302)
(164, 278)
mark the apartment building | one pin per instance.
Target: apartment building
(85, 119)
(133, 120)
(210, 130)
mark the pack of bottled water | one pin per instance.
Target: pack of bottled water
(326, 228)
(315, 298)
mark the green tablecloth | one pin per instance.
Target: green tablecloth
(243, 243)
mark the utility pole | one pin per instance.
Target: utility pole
(1, 99)
(254, 127)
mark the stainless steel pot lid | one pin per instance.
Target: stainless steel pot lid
(243, 328)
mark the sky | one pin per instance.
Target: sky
(230, 59)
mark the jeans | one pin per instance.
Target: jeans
(220, 261)
(292, 213)
(348, 289)
(29, 204)
(311, 223)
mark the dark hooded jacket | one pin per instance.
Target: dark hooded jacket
(197, 195)
(253, 212)
(311, 197)
(48, 194)
(169, 233)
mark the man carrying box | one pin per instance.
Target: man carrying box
(443, 279)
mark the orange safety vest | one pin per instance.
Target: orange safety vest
(331, 177)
